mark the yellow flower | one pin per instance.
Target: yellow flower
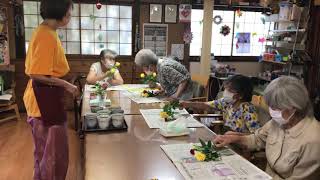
(199, 156)
(154, 74)
(113, 70)
(142, 75)
(117, 64)
(164, 115)
(144, 94)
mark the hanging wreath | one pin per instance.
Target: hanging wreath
(225, 30)
(217, 19)
(187, 36)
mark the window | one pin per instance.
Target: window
(249, 25)
(90, 30)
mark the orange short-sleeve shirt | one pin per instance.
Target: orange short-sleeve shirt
(45, 56)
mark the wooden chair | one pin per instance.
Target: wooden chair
(201, 87)
(11, 105)
(79, 81)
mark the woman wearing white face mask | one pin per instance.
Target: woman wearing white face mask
(101, 71)
(238, 112)
(291, 140)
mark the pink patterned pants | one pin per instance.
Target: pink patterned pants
(51, 152)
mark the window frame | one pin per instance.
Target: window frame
(94, 56)
(230, 58)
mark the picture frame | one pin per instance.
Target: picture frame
(155, 13)
(155, 38)
(170, 13)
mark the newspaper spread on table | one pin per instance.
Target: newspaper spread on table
(232, 166)
(154, 121)
(135, 95)
(127, 87)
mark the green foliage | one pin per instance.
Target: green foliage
(209, 149)
(99, 89)
(169, 108)
(149, 78)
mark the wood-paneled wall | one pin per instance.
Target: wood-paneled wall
(81, 65)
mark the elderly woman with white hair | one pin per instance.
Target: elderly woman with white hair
(101, 71)
(291, 139)
(173, 77)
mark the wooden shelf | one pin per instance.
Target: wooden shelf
(287, 30)
(274, 62)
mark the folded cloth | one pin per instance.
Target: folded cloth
(50, 102)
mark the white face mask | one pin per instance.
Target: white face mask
(228, 96)
(110, 65)
(277, 116)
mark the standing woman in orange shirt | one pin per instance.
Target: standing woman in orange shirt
(46, 63)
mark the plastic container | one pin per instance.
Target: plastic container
(117, 120)
(104, 121)
(285, 11)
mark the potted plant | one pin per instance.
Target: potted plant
(150, 79)
(100, 91)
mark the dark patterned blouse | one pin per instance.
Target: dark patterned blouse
(170, 75)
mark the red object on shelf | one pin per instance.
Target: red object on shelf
(268, 57)
(98, 5)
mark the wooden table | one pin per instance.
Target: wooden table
(118, 99)
(135, 154)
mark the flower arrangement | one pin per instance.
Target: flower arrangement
(113, 69)
(205, 152)
(167, 112)
(100, 91)
(150, 79)
(149, 93)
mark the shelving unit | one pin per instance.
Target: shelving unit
(287, 37)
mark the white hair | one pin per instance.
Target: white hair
(146, 57)
(287, 92)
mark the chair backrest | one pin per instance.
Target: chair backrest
(262, 109)
(200, 79)
(200, 85)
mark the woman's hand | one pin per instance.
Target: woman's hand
(185, 104)
(223, 140)
(235, 133)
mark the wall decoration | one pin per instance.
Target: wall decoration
(4, 39)
(177, 50)
(243, 42)
(217, 19)
(185, 13)
(239, 13)
(156, 13)
(155, 38)
(98, 5)
(187, 36)
(262, 40)
(225, 30)
(170, 14)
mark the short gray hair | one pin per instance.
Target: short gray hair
(288, 92)
(146, 57)
(108, 52)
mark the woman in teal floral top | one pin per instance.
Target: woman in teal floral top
(238, 112)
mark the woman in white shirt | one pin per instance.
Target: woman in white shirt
(102, 71)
